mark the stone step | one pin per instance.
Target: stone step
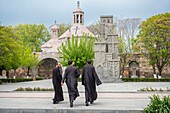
(48, 94)
(65, 111)
(44, 105)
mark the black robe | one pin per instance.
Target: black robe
(56, 79)
(90, 79)
(70, 76)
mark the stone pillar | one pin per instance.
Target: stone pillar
(106, 52)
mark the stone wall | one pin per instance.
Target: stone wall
(144, 69)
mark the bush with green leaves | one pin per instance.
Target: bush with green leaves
(34, 89)
(78, 50)
(11, 80)
(158, 105)
(145, 80)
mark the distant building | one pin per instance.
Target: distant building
(49, 54)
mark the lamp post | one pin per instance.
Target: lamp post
(34, 68)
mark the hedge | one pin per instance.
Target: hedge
(145, 80)
(34, 89)
(11, 80)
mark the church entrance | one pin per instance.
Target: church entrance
(134, 69)
(46, 67)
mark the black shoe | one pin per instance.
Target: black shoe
(87, 104)
(71, 104)
(55, 102)
(91, 102)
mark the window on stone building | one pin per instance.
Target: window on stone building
(80, 18)
(74, 18)
(77, 18)
(107, 49)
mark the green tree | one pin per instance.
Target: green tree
(77, 50)
(32, 35)
(123, 54)
(95, 28)
(9, 49)
(63, 28)
(29, 59)
(155, 40)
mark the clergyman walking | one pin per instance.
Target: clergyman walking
(70, 77)
(56, 79)
(90, 79)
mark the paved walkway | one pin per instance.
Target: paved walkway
(112, 98)
(105, 87)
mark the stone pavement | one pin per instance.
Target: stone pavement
(112, 98)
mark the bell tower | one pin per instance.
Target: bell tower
(78, 15)
(54, 31)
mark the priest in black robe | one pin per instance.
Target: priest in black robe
(56, 79)
(90, 79)
(70, 77)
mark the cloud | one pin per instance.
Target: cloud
(46, 11)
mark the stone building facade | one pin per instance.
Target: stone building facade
(138, 66)
(50, 54)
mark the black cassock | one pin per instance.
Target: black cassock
(70, 76)
(56, 79)
(90, 79)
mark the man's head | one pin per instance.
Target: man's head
(70, 62)
(59, 65)
(56, 64)
(89, 61)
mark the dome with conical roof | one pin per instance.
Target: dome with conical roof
(54, 27)
(78, 9)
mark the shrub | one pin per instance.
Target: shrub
(158, 105)
(78, 50)
(34, 89)
(145, 80)
(150, 89)
(0, 82)
(11, 80)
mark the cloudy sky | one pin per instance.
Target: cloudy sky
(13, 12)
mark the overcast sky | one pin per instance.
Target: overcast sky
(13, 12)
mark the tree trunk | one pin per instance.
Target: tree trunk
(7, 74)
(28, 71)
(0, 71)
(14, 73)
(154, 70)
(120, 70)
(123, 67)
(160, 71)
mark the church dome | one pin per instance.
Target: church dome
(54, 27)
(78, 9)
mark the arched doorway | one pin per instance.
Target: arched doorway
(46, 67)
(134, 68)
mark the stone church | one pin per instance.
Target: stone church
(49, 54)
